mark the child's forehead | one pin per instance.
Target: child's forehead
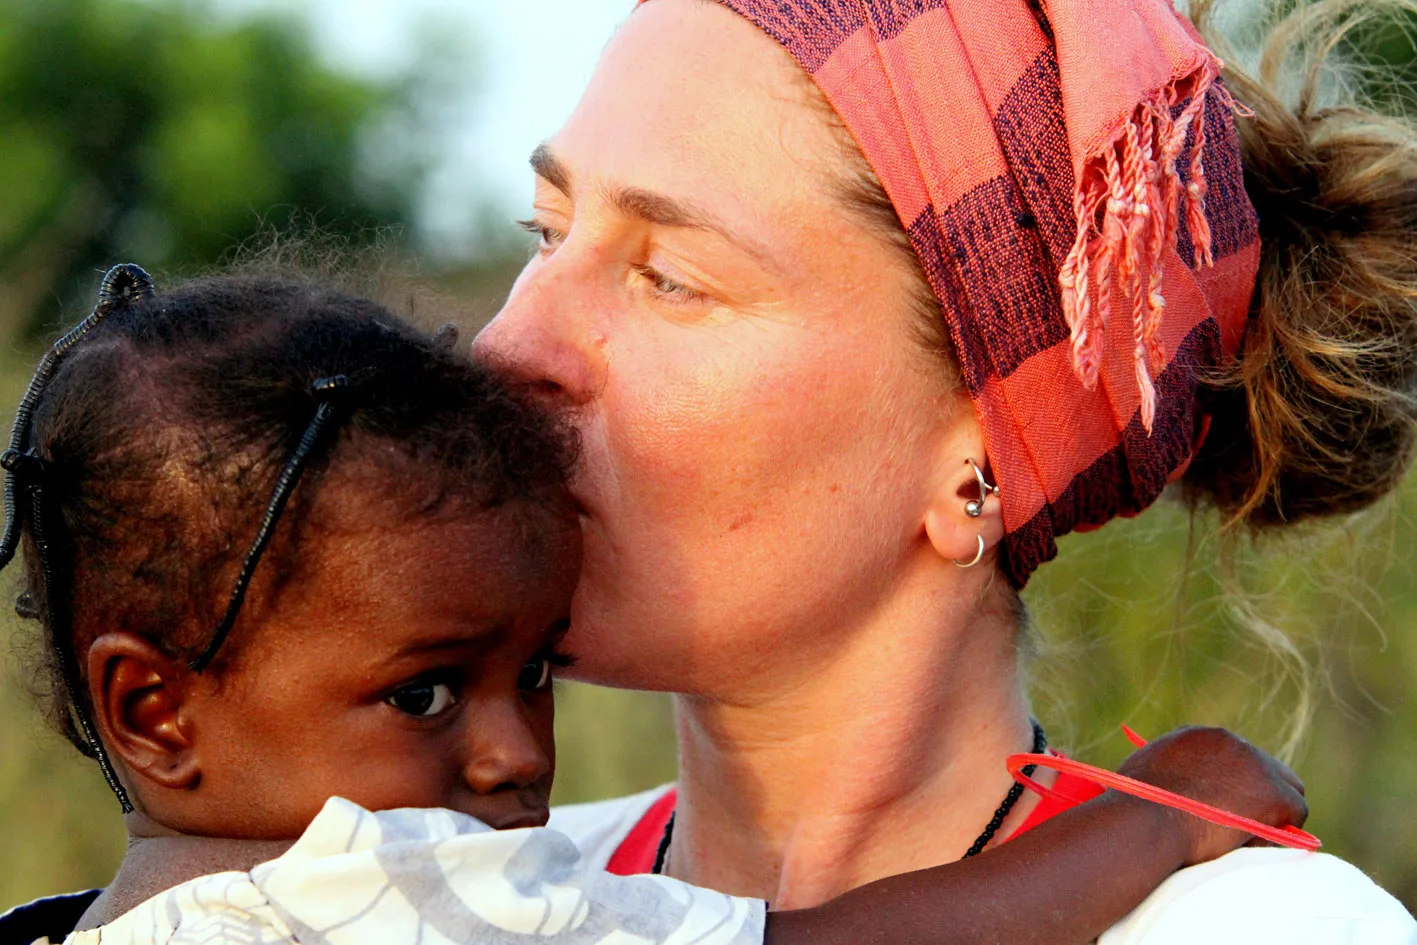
(458, 576)
(513, 540)
(370, 479)
(378, 542)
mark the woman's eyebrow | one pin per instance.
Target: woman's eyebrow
(550, 168)
(640, 204)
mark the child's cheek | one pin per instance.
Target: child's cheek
(401, 763)
(546, 726)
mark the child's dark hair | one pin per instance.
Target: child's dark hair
(162, 433)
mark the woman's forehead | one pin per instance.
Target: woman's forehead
(691, 101)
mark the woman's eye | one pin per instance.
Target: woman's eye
(666, 287)
(423, 700)
(535, 675)
(549, 238)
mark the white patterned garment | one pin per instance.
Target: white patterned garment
(430, 877)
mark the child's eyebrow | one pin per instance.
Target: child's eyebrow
(484, 639)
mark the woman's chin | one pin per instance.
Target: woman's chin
(596, 653)
(614, 649)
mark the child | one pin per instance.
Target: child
(285, 549)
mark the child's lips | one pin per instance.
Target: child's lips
(536, 819)
(509, 809)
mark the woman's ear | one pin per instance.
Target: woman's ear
(965, 507)
(138, 695)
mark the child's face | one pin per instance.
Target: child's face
(405, 666)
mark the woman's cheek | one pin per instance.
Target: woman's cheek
(721, 415)
(717, 458)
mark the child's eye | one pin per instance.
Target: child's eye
(535, 675)
(423, 699)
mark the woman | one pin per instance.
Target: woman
(858, 305)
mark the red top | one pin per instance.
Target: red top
(637, 852)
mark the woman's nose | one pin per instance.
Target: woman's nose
(547, 333)
(508, 752)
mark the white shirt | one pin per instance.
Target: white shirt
(1267, 895)
(1249, 897)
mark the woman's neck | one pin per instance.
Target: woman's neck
(887, 757)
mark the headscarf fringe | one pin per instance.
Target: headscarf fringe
(1129, 206)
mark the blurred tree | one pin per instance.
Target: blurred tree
(148, 131)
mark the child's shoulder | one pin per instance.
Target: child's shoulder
(340, 869)
(221, 907)
(396, 875)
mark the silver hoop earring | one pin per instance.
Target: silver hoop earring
(975, 507)
(977, 555)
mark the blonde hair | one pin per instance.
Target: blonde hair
(1317, 415)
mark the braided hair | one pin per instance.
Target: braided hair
(164, 440)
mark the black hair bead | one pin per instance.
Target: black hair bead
(324, 388)
(325, 385)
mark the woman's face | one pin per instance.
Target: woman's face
(762, 429)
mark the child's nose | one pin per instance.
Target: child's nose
(507, 752)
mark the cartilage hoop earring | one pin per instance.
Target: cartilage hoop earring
(977, 555)
(975, 507)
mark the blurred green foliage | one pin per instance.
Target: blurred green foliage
(1306, 643)
(147, 131)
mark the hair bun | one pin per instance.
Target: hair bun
(1317, 416)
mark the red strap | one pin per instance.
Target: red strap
(636, 853)
(1068, 792)
(1287, 836)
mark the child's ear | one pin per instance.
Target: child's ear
(138, 694)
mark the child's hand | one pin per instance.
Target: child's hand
(1221, 769)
